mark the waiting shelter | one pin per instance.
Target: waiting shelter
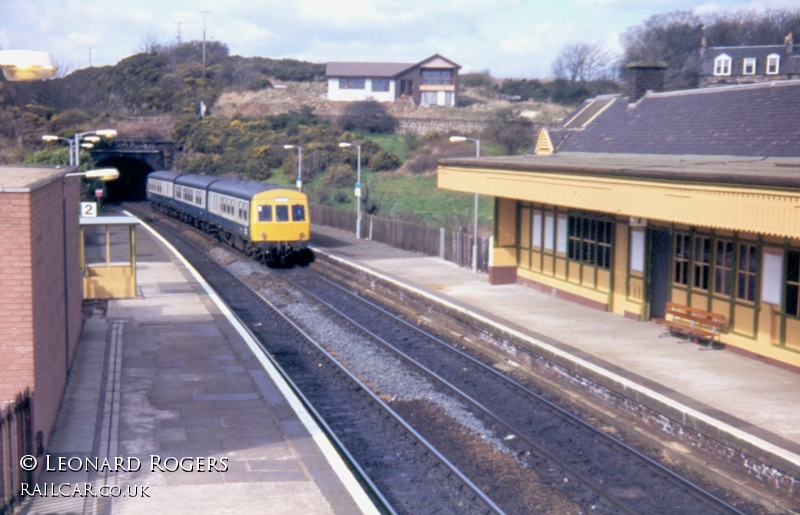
(108, 256)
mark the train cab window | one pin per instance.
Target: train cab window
(298, 213)
(281, 213)
(264, 213)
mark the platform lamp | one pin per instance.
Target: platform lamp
(105, 175)
(22, 65)
(101, 133)
(51, 137)
(358, 188)
(458, 139)
(299, 164)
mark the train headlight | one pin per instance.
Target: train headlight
(302, 235)
(264, 236)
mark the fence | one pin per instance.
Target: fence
(16, 441)
(448, 244)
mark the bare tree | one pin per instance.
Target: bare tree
(150, 43)
(583, 62)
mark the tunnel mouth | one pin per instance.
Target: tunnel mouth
(131, 186)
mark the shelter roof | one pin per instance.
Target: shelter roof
(14, 178)
(775, 172)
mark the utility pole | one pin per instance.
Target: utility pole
(90, 57)
(178, 23)
(205, 15)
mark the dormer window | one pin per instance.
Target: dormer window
(773, 64)
(749, 66)
(722, 65)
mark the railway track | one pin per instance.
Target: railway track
(598, 473)
(398, 467)
(615, 476)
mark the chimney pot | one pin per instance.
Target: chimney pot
(644, 77)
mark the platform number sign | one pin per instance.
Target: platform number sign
(89, 209)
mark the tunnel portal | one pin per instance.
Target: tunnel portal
(134, 160)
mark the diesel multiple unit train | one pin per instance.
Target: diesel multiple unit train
(267, 222)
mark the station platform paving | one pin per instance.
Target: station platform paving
(168, 376)
(748, 400)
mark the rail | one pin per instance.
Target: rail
(448, 244)
(16, 441)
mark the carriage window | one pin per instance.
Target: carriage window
(282, 213)
(298, 213)
(264, 213)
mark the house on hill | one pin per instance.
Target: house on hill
(433, 81)
(749, 64)
(689, 196)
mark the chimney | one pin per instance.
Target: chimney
(789, 41)
(703, 47)
(644, 77)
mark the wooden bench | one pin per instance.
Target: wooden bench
(693, 322)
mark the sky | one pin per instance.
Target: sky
(509, 38)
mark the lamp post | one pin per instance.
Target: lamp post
(457, 139)
(358, 188)
(104, 174)
(106, 133)
(19, 65)
(50, 137)
(299, 164)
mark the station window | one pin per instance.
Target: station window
(265, 213)
(792, 306)
(298, 213)
(683, 245)
(723, 268)
(589, 241)
(281, 213)
(746, 272)
(702, 263)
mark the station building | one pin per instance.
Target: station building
(633, 201)
(40, 286)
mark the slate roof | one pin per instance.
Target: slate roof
(388, 70)
(748, 120)
(789, 63)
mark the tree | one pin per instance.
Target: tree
(510, 130)
(673, 38)
(367, 116)
(583, 62)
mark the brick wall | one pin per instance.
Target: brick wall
(33, 347)
(16, 303)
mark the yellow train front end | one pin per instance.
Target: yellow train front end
(281, 225)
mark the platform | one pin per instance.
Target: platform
(741, 398)
(168, 376)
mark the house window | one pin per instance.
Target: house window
(773, 64)
(722, 65)
(407, 87)
(352, 83)
(437, 77)
(749, 66)
(380, 84)
(429, 98)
